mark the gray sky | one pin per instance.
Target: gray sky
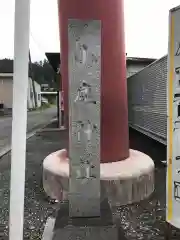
(146, 26)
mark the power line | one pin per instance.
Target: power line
(41, 50)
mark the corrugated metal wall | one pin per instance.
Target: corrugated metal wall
(147, 100)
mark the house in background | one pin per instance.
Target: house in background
(135, 64)
(6, 92)
(31, 101)
(54, 59)
(6, 87)
(38, 93)
(44, 87)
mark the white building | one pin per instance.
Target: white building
(6, 92)
(134, 65)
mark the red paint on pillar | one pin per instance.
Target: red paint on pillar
(114, 113)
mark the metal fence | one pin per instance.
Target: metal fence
(147, 100)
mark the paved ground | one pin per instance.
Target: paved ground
(35, 120)
(144, 221)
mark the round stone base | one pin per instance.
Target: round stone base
(124, 182)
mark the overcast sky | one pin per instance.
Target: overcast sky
(146, 27)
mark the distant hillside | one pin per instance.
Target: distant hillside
(42, 71)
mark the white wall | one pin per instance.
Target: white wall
(6, 91)
(31, 95)
(38, 93)
(30, 100)
(133, 68)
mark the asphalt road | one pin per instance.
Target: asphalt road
(35, 120)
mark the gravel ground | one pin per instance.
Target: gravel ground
(145, 220)
(37, 207)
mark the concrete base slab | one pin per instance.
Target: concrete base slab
(126, 182)
(97, 228)
(49, 228)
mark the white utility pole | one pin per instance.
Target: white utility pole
(19, 122)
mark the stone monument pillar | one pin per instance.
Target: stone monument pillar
(84, 71)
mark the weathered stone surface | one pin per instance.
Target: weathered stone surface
(84, 77)
(126, 182)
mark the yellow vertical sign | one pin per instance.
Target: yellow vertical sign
(170, 114)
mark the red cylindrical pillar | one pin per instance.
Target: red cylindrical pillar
(114, 113)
